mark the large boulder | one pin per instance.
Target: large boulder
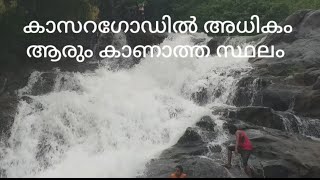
(190, 144)
(201, 96)
(215, 42)
(206, 123)
(278, 97)
(188, 151)
(259, 116)
(248, 89)
(190, 138)
(278, 154)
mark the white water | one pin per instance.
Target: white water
(110, 124)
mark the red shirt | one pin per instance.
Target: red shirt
(244, 142)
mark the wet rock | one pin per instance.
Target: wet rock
(260, 116)
(214, 43)
(159, 168)
(104, 40)
(68, 83)
(294, 77)
(194, 167)
(27, 99)
(288, 121)
(295, 21)
(179, 152)
(215, 149)
(200, 97)
(190, 144)
(316, 85)
(308, 104)
(278, 97)
(310, 127)
(311, 76)
(190, 137)
(204, 168)
(197, 41)
(272, 92)
(213, 46)
(230, 125)
(277, 154)
(188, 152)
(283, 96)
(38, 106)
(224, 112)
(45, 84)
(206, 123)
(248, 91)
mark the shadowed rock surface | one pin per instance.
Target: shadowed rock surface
(278, 154)
(189, 152)
(290, 83)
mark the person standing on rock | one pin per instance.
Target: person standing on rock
(179, 173)
(243, 147)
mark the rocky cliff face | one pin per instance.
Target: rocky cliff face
(290, 83)
(277, 154)
(278, 104)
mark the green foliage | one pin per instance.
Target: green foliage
(7, 7)
(44, 10)
(234, 10)
(295, 5)
(2, 7)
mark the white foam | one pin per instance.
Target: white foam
(118, 121)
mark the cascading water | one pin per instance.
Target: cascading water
(111, 123)
(301, 125)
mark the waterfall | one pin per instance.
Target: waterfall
(300, 125)
(110, 123)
